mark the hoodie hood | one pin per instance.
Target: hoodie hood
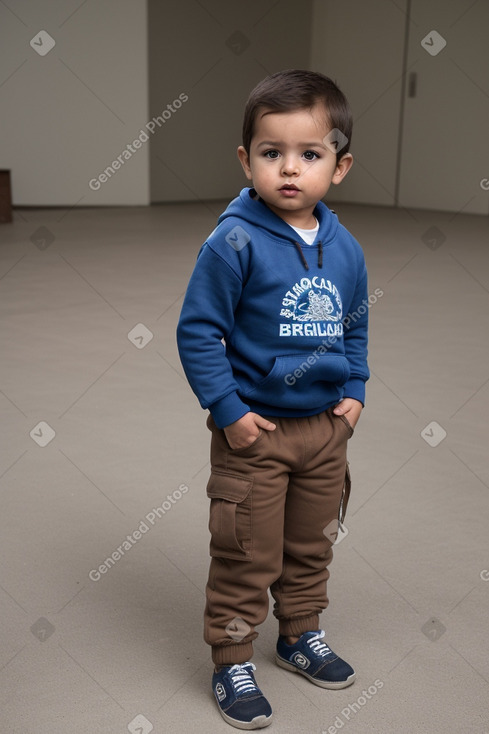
(254, 211)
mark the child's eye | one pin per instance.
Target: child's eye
(310, 155)
(272, 154)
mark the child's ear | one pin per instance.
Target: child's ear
(342, 168)
(245, 161)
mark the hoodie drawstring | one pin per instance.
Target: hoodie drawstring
(299, 250)
(303, 259)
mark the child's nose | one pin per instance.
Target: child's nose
(290, 165)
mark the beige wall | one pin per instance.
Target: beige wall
(215, 56)
(67, 115)
(361, 46)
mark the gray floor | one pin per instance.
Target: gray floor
(99, 430)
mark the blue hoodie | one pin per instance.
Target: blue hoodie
(271, 324)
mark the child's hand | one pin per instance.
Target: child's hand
(351, 409)
(243, 432)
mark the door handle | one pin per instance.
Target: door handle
(412, 84)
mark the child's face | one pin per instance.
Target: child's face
(289, 164)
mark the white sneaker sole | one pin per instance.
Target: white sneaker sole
(333, 685)
(259, 722)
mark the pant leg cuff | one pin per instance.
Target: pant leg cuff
(296, 627)
(232, 654)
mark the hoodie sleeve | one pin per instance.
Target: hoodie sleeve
(206, 319)
(356, 338)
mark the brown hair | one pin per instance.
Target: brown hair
(295, 89)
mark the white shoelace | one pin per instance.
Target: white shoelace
(241, 679)
(320, 648)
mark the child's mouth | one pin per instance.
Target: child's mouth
(289, 190)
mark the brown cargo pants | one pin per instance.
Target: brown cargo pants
(274, 511)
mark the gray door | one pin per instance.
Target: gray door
(444, 160)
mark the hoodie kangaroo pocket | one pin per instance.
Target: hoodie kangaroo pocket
(303, 381)
(230, 515)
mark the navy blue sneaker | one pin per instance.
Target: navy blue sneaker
(240, 701)
(315, 660)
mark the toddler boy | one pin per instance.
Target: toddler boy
(268, 351)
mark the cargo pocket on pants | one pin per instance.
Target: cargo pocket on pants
(230, 515)
(345, 495)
